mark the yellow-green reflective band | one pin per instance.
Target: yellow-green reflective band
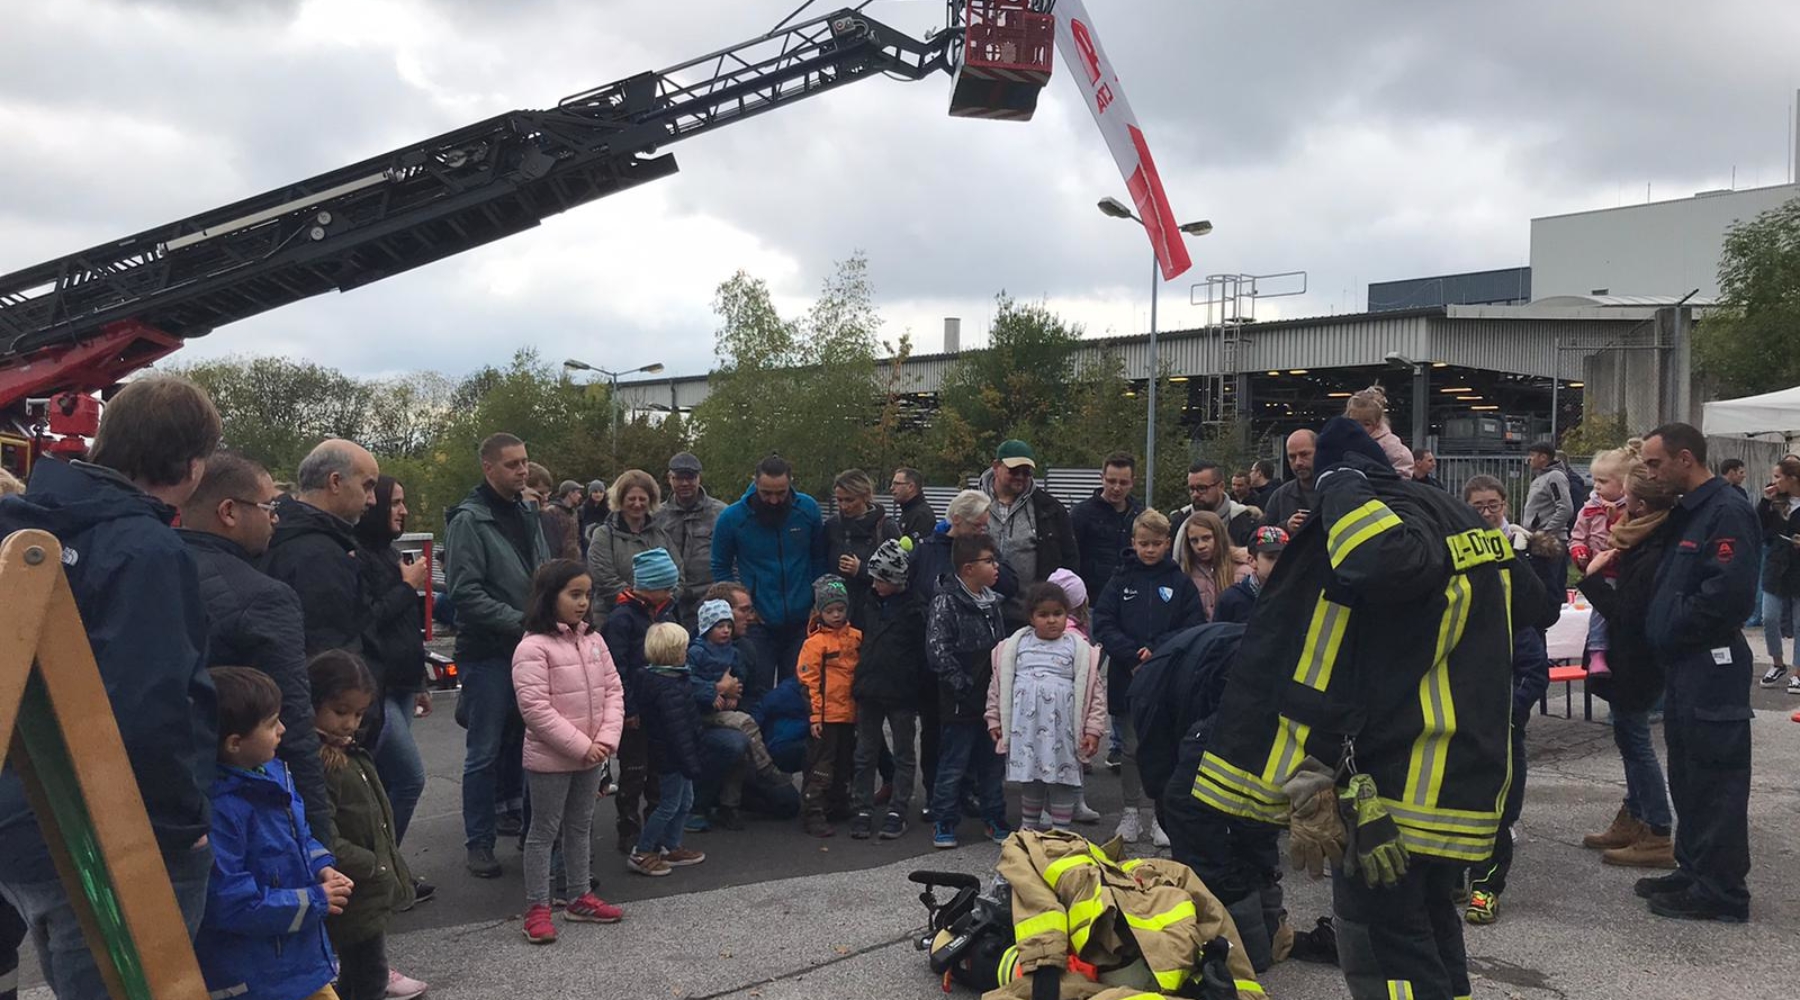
(1054, 872)
(1439, 846)
(1232, 776)
(1133, 863)
(1171, 980)
(1477, 546)
(1009, 965)
(1232, 802)
(1043, 923)
(1249, 986)
(1431, 750)
(1183, 910)
(1452, 821)
(1082, 915)
(1357, 527)
(1400, 989)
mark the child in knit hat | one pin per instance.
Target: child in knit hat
(827, 669)
(717, 670)
(648, 601)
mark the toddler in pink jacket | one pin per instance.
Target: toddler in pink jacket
(573, 704)
(1591, 534)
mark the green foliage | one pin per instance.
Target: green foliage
(1016, 387)
(276, 409)
(1747, 343)
(1596, 433)
(808, 388)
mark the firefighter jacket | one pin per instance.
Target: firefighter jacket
(1388, 621)
(1070, 898)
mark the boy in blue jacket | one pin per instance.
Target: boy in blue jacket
(1147, 600)
(272, 884)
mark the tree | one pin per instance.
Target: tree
(1014, 388)
(275, 409)
(807, 389)
(1747, 343)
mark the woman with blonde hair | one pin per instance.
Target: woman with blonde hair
(628, 530)
(1368, 407)
(1639, 834)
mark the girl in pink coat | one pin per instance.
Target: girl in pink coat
(573, 704)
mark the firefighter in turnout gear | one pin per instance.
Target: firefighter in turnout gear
(1379, 656)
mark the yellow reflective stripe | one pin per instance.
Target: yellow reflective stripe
(1233, 803)
(1452, 821)
(1400, 989)
(1183, 910)
(1438, 845)
(1431, 749)
(1082, 915)
(1290, 745)
(1009, 965)
(1232, 776)
(1506, 588)
(1133, 863)
(1324, 636)
(1357, 527)
(1043, 923)
(1171, 980)
(1054, 871)
(1476, 547)
(1249, 986)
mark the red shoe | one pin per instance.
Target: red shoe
(1795, 717)
(591, 909)
(538, 928)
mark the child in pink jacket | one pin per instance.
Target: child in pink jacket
(1591, 534)
(573, 704)
(1046, 708)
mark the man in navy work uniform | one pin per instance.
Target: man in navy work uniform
(1704, 590)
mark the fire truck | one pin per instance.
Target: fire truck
(72, 328)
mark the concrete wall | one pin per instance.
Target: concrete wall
(1663, 248)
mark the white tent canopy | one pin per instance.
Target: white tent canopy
(1769, 413)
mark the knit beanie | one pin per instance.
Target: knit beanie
(1072, 586)
(829, 590)
(654, 570)
(712, 613)
(889, 561)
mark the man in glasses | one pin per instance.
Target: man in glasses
(255, 620)
(1033, 529)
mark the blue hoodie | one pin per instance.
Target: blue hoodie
(138, 590)
(264, 931)
(1142, 606)
(777, 562)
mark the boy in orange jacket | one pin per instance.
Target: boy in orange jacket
(827, 668)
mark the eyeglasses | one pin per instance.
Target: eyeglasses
(266, 508)
(1490, 507)
(985, 561)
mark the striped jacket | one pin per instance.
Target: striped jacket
(1386, 630)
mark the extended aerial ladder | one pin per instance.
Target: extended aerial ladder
(82, 322)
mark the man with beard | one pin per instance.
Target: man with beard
(773, 542)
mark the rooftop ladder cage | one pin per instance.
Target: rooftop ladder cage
(1006, 60)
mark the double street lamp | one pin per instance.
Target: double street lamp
(1116, 209)
(613, 378)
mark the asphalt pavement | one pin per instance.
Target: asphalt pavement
(773, 914)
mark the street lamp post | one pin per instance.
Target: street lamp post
(1116, 209)
(613, 378)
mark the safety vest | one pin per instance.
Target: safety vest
(1070, 898)
(1386, 628)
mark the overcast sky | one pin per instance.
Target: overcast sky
(1357, 141)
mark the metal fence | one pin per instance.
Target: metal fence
(1512, 471)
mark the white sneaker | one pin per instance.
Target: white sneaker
(1129, 829)
(1794, 684)
(1085, 813)
(1157, 836)
(401, 987)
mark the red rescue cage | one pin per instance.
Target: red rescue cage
(1006, 59)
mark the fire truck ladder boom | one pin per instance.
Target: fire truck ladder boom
(421, 203)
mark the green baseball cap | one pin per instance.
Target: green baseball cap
(1014, 453)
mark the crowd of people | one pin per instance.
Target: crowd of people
(687, 657)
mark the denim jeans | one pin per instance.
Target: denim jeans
(1646, 792)
(721, 750)
(780, 645)
(1774, 608)
(63, 954)
(663, 828)
(488, 690)
(966, 752)
(397, 762)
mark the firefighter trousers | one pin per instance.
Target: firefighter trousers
(1403, 943)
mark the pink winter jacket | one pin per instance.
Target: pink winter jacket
(570, 696)
(1090, 688)
(1591, 534)
(1398, 454)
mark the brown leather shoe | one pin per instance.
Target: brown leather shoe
(1650, 851)
(1624, 831)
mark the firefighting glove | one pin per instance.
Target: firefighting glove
(1215, 979)
(1376, 850)
(1315, 831)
